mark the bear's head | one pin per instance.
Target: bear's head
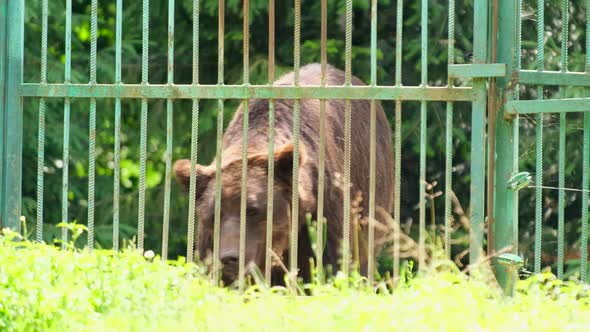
(230, 179)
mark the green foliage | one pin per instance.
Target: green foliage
(47, 289)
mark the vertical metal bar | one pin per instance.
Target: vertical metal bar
(3, 106)
(347, 139)
(398, 138)
(586, 170)
(372, 139)
(243, 195)
(169, 131)
(539, 138)
(423, 129)
(295, 181)
(41, 138)
(505, 209)
(562, 127)
(92, 126)
(322, 163)
(143, 124)
(217, 219)
(117, 166)
(190, 246)
(491, 120)
(66, 141)
(585, 185)
(12, 113)
(478, 121)
(449, 136)
(271, 130)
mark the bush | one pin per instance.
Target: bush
(46, 289)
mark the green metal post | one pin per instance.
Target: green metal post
(478, 133)
(505, 209)
(11, 111)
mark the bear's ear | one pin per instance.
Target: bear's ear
(284, 161)
(182, 169)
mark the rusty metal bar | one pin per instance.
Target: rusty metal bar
(66, 141)
(219, 152)
(117, 166)
(423, 137)
(169, 131)
(295, 181)
(397, 140)
(271, 130)
(41, 138)
(190, 243)
(244, 184)
(322, 152)
(92, 126)
(188, 91)
(372, 139)
(143, 125)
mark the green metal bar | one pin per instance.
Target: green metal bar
(219, 152)
(449, 136)
(190, 243)
(143, 125)
(188, 91)
(548, 106)
(117, 166)
(562, 127)
(553, 78)
(398, 140)
(322, 156)
(585, 185)
(295, 181)
(539, 138)
(66, 141)
(482, 70)
(3, 111)
(12, 113)
(169, 131)
(41, 134)
(347, 138)
(478, 123)
(423, 129)
(92, 126)
(271, 138)
(243, 194)
(372, 139)
(505, 227)
(586, 169)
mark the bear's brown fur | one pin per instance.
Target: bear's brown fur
(310, 75)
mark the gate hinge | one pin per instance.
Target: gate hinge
(484, 70)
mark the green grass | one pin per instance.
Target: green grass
(43, 288)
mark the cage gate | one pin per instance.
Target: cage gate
(495, 73)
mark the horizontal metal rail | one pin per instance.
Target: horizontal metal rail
(188, 91)
(549, 106)
(477, 70)
(554, 78)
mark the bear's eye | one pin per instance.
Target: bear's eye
(251, 212)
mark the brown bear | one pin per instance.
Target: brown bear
(310, 75)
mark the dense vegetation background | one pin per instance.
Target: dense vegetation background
(310, 52)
